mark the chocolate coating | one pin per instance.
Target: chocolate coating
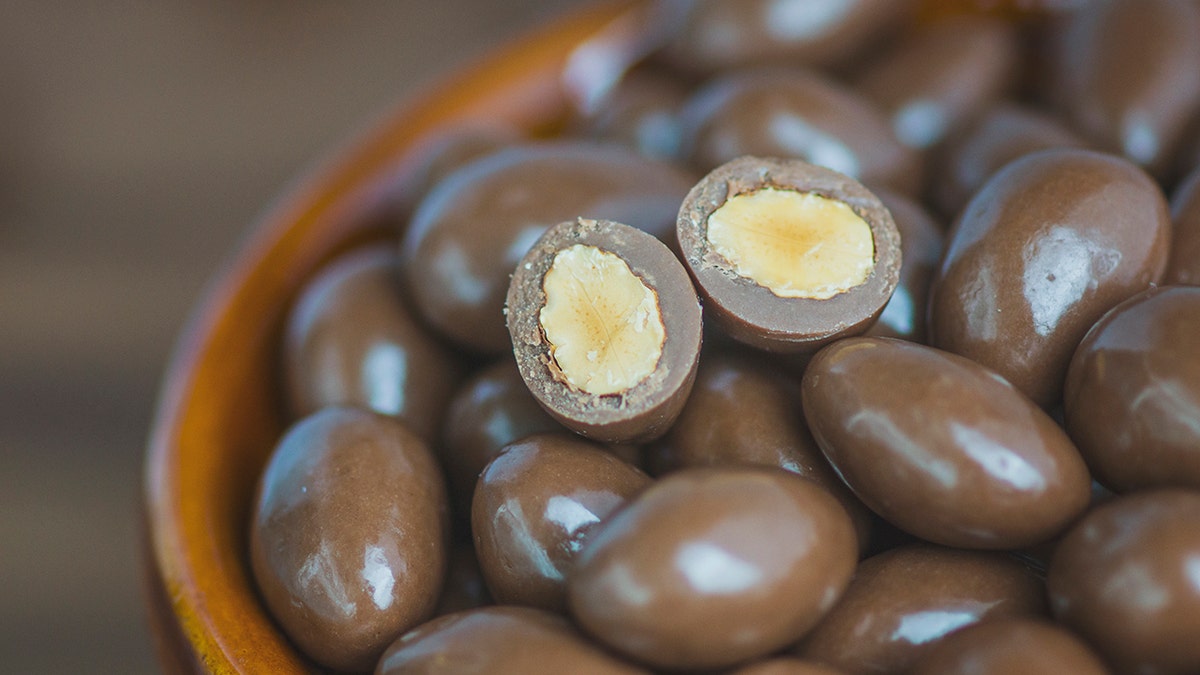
(1124, 73)
(797, 114)
(711, 567)
(1050, 243)
(498, 641)
(468, 234)
(921, 246)
(1126, 579)
(1132, 398)
(1184, 265)
(349, 534)
(998, 136)
(645, 410)
(902, 602)
(492, 409)
(447, 152)
(942, 447)
(1008, 646)
(535, 507)
(942, 75)
(755, 315)
(712, 35)
(351, 340)
(741, 413)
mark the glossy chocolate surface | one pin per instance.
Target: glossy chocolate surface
(1133, 392)
(351, 340)
(534, 509)
(1124, 74)
(646, 409)
(469, 233)
(998, 136)
(1010, 646)
(490, 410)
(942, 75)
(712, 35)
(1049, 244)
(498, 641)
(754, 314)
(921, 244)
(743, 413)
(941, 447)
(801, 115)
(1127, 578)
(901, 603)
(1184, 265)
(711, 567)
(349, 535)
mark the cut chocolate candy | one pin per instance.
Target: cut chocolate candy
(605, 327)
(789, 255)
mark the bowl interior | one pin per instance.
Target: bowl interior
(219, 413)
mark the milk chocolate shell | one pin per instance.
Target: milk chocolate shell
(349, 535)
(606, 329)
(711, 567)
(789, 255)
(1126, 579)
(1049, 244)
(941, 446)
(1132, 399)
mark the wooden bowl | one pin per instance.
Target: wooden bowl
(219, 415)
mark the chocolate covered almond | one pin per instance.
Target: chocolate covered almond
(789, 255)
(1049, 244)
(942, 447)
(606, 329)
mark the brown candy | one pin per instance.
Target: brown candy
(942, 447)
(1008, 646)
(901, 603)
(492, 409)
(1124, 73)
(742, 413)
(711, 35)
(1050, 243)
(711, 567)
(801, 115)
(788, 255)
(606, 329)
(351, 340)
(1184, 265)
(498, 641)
(1127, 578)
(921, 245)
(349, 535)
(1132, 398)
(535, 507)
(468, 234)
(942, 75)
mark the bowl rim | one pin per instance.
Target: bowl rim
(186, 577)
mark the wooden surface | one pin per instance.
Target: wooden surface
(137, 143)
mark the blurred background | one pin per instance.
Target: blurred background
(138, 142)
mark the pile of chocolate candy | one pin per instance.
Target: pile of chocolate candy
(902, 447)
